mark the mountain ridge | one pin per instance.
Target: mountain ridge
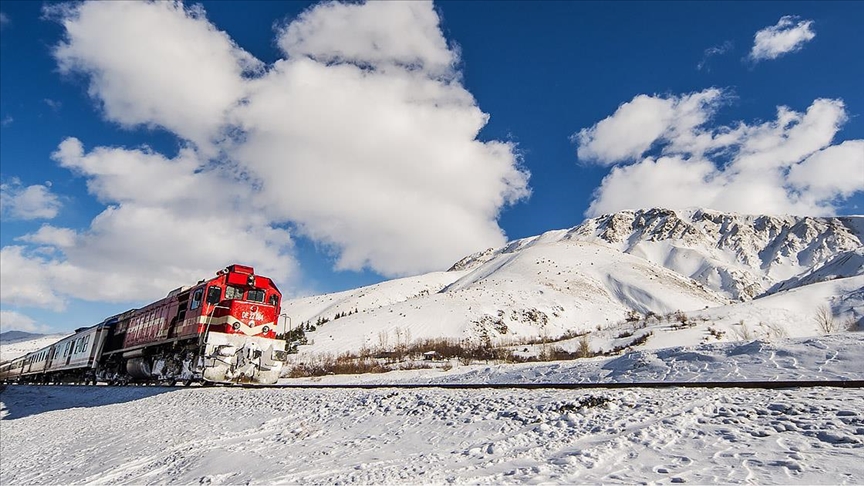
(596, 274)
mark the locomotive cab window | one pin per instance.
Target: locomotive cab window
(233, 292)
(274, 299)
(196, 299)
(214, 294)
(255, 295)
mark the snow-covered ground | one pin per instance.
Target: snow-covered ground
(148, 435)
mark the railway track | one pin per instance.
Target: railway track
(765, 385)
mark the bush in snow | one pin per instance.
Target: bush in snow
(825, 320)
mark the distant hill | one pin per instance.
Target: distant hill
(14, 336)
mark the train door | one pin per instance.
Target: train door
(68, 352)
(177, 323)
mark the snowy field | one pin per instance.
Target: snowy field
(150, 435)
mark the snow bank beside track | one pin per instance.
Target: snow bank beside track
(834, 357)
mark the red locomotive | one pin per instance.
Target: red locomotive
(221, 330)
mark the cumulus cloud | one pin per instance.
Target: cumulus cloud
(167, 221)
(786, 166)
(362, 138)
(788, 35)
(27, 203)
(154, 64)
(4, 20)
(27, 279)
(835, 171)
(374, 153)
(51, 237)
(638, 124)
(403, 34)
(15, 321)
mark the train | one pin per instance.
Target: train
(220, 330)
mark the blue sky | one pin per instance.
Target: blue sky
(144, 146)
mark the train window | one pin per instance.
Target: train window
(233, 292)
(196, 299)
(274, 299)
(214, 294)
(255, 295)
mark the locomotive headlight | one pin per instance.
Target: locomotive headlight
(265, 329)
(235, 326)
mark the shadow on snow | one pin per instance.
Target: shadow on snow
(19, 401)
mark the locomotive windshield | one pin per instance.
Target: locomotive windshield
(255, 295)
(233, 292)
(214, 294)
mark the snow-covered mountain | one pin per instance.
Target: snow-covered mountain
(740, 256)
(595, 276)
(18, 343)
(12, 336)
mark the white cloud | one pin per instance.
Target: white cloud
(629, 186)
(373, 140)
(154, 64)
(791, 138)
(51, 236)
(27, 203)
(784, 37)
(404, 34)
(168, 222)
(383, 166)
(638, 124)
(27, 280)
(362, 138)
(785, 166)
(15, 321)
(836, 171)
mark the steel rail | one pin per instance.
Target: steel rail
(765, 385)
